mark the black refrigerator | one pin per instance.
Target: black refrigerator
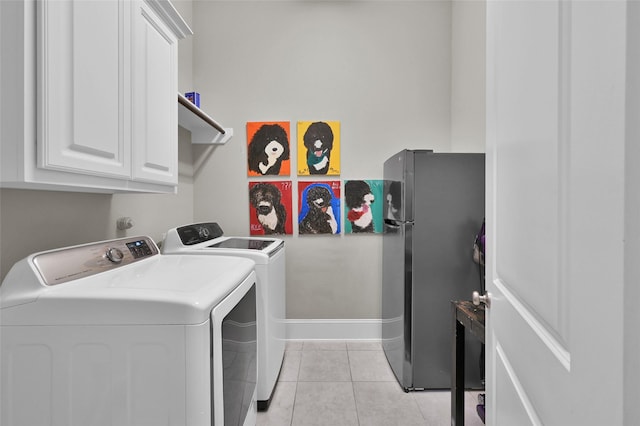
(434, 207)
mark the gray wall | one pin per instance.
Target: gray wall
(632, 225)
(383, 69)
(396, 74)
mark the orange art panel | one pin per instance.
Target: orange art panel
(268, 148)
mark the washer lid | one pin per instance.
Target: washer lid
(207, 238)
(242, 243)
(156, 290)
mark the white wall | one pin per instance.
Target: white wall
(386, 70)
(467, 75)
(383, 69)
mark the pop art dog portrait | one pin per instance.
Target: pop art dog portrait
(268, 149)
(318, 148)
(319, 207)
(363, 207)
(270, 204)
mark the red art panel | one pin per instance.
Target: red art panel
(270, 208)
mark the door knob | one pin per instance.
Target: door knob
(477, 299)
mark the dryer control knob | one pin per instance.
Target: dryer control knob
(115, 255)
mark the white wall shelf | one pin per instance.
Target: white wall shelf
(204, 129)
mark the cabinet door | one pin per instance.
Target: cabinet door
(155, 112)
(81, 87)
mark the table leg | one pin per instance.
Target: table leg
(457, 373)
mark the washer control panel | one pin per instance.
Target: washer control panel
(199, 233)
(141, 248)
(72, 263)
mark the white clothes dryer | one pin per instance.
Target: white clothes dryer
(113, 332)
(269, 257)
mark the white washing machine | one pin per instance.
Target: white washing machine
(114, 333)
(269, 256)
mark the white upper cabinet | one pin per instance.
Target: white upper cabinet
(154, 103)
(91, 95)
(82, 115)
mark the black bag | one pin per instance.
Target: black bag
(478, 246)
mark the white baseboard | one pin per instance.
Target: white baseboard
(334, 329)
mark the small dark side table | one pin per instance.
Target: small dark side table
(469, 316)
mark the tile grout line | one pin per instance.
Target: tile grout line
(295, 393)
(293, 405)
(353, 388)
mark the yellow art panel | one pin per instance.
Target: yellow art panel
(318, 148)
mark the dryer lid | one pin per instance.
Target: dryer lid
(153, 290)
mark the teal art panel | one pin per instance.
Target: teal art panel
(363, 206)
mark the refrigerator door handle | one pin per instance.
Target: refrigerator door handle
(391, 223)
(396, 224)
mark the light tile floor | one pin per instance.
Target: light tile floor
(349, 383)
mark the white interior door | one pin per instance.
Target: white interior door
(555, 212)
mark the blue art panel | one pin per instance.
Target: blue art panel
(319, 207)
